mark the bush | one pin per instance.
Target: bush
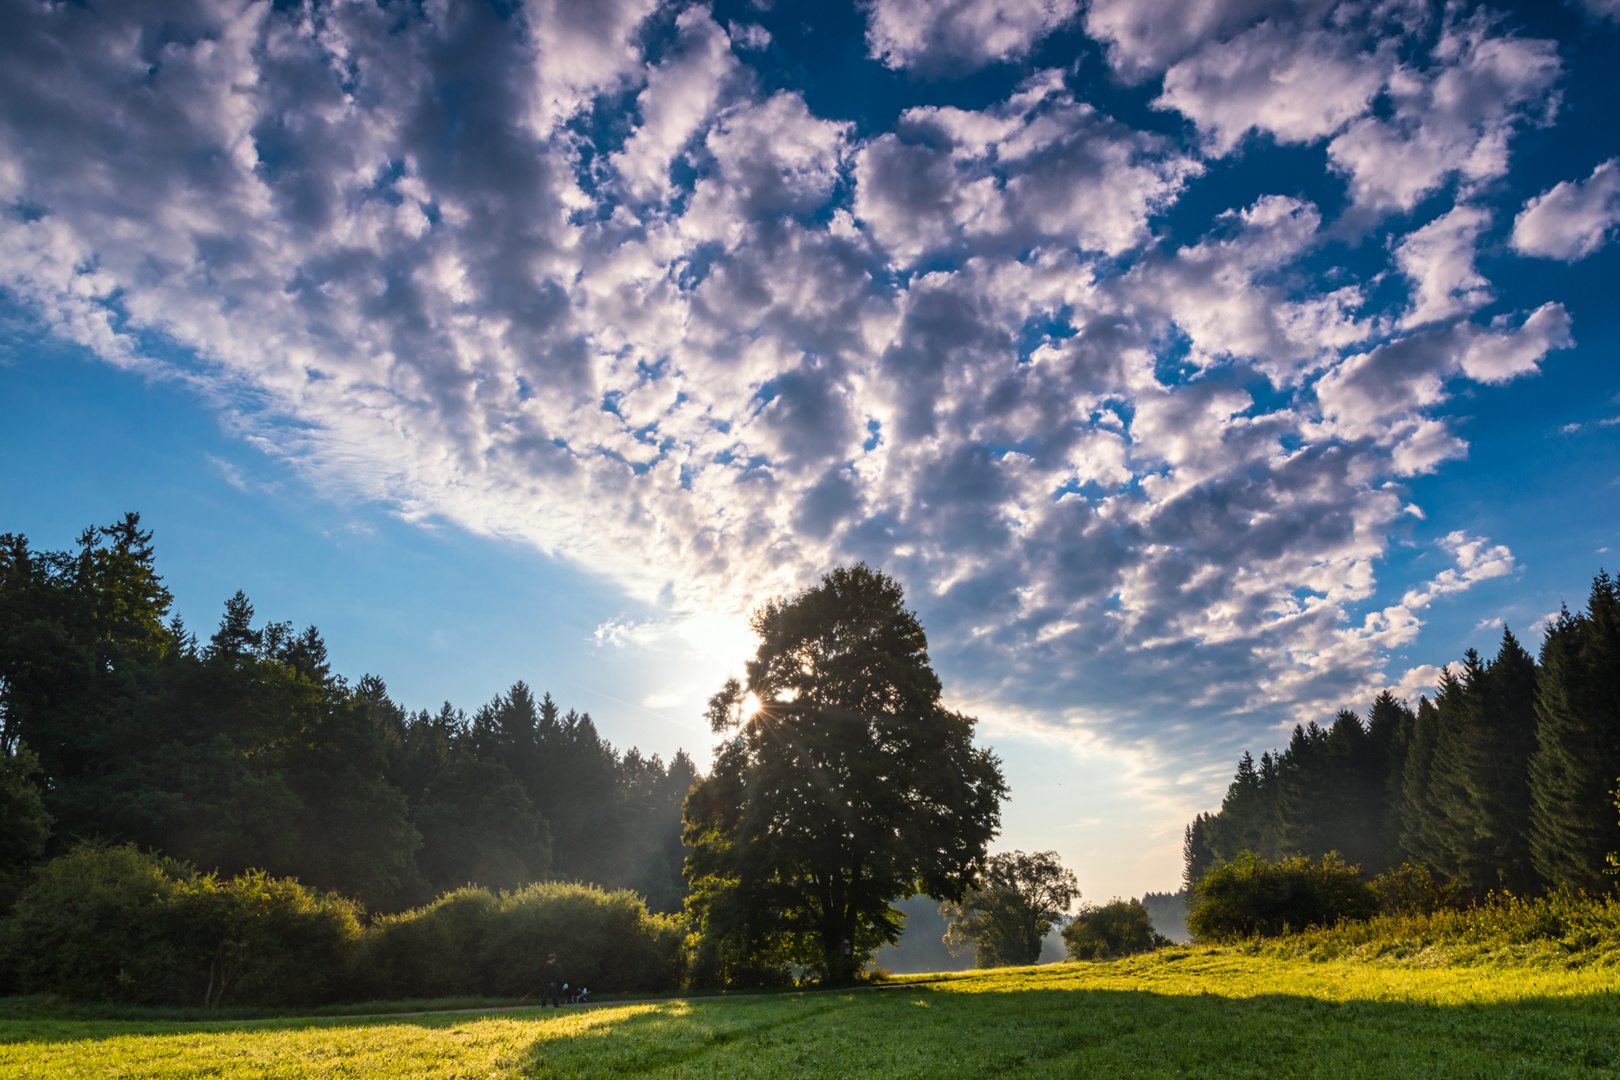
(1118, 928)
(1563, 928)
(116, 924)
(1250, 897)
(1413, 890)
(475, 942)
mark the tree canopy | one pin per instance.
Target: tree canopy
(1503, 781)
(1007, 914)
(248, 751)
(844, 783)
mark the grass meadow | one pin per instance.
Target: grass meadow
(1207, 1012)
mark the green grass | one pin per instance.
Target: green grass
(1235, 1012)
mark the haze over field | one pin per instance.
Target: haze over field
(1198, 370)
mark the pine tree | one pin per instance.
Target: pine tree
(1454, 824)
(1389, 731)
(1304, 793)
(1245, 820)
(1414, 786)
(1503, 783)
(1196, 857)
(1578, 735)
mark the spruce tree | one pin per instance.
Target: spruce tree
(1503, 783)
(1414, 787)
(1352, 803)
(1454, 824)
(1243, 821)
(1578, 735)
(1196, 857)
(1304, 783)
(1389, 731)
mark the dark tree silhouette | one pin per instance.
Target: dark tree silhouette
(847, 787)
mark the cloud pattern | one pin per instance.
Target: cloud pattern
(574, 276)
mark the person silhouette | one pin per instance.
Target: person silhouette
(549, 979)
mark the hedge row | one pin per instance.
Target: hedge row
(115, 924)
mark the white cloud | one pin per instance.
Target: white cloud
(1572, 220)
(1230, 296)
(935, 35)
(1602, 9)
(1146, 36)
(1039, 169)
(1109, 464)
(1439, 261)
(1453, 120)
(750, 36)
(682, 90)
(1381, 394)
(1296, 86)
(582, 47)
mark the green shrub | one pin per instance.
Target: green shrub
(474, 942)
(116, 924)
(1250, 897)
(1561, 928)
(1412, 890)
(1118, 928)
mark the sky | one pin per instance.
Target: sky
(1198, 368)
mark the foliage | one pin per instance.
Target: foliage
(248, 751)
(24, 823)
(1250, 897)
(848, 787)
(476, 942)
(1007, 914)
(1117, 928)
(1174, 1013)
(114, 923)
(1565, 928)
(1573, 769)
(1410, 889)
(1502, 782)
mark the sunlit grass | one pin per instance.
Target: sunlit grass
(1183, 1012)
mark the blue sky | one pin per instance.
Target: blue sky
(1198, 369)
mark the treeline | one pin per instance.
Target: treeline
(1504, 781)
(246, 751)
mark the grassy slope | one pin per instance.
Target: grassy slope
(1183, 1012)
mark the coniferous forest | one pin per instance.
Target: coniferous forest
(245, 750)
(1503, 782)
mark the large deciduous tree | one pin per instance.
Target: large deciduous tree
(843, 785)
(1007, 915)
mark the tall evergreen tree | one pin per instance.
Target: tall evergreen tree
(1247, 818)
(1452, 827)
(1503, 780)
(1415, 805)
(1578, 743)
(1197, 858)
(1305, 783)
(1389, 728)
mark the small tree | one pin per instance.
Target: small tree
(1118, 928)
(1009, 913)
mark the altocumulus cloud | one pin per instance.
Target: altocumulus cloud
(578, 274)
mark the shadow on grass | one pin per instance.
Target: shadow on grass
(909, 1031)
(1132, 1033)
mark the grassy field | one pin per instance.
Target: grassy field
(1181, 1012)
